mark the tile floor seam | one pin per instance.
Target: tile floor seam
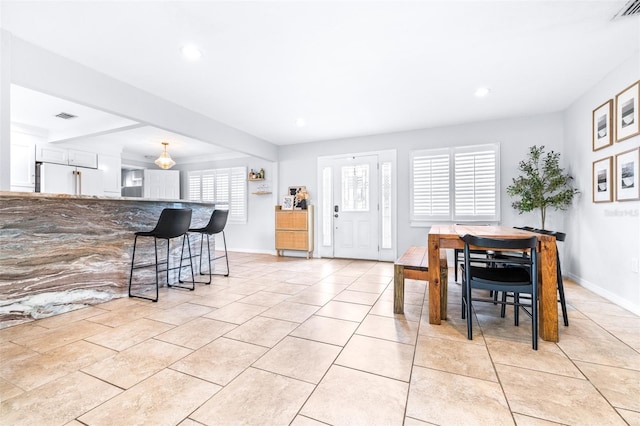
(597, 389)
(413, 359)
(327, 370)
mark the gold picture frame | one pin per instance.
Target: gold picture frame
(602, 180)
(627, 171)
(602, 130)
(627, 112)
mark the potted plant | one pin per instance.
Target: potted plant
(542, 184)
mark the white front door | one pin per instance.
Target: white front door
(355, 207)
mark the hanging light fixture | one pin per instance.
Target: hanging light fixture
(165, 161)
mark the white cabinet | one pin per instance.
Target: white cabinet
(23, 163)
(83, 159)
(52, 154)
(162, 184)
(111, 174)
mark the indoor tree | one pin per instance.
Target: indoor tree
(542, 184)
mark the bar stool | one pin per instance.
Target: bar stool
(215, 226)
(172, 223)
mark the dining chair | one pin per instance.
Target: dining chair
(458, 254)
(560, 236)
(518, 275)
(173, 223)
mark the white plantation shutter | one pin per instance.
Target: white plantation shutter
(225, 186)
(238, 201)
(476, 184)
(456, 184)
(194, 186)
(208, 179)
(430, 185)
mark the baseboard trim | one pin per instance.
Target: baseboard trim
(605, 293)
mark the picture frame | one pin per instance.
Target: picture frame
(627, 185)
(287, 202)
(602, 180)
(293, 191)
(602, 134)
(627, 112)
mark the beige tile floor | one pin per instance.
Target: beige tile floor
(308, 342)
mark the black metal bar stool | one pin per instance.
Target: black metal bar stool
(172, 223)
(215, 226)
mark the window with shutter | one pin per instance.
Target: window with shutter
(476, 184)
(430, 185)
(456, 184)
(225, 186)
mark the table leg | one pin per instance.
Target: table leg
(548, 298)
(398, 289)
(435, 295)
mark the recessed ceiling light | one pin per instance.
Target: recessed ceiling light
(191, 52)
(301, 122)
(482, 92)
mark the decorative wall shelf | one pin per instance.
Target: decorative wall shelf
(261, 193)
(256, 180)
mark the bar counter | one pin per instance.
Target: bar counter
(62, 252)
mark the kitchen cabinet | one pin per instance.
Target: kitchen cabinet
(23, 163)
(111, 174)
(46, 153)
(83, 159)
(52, 154)
(162, 184)
(294, 230)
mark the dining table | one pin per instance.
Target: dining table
(447, 236)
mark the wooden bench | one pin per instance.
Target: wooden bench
(413, 264)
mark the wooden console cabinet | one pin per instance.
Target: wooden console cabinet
(294, 230)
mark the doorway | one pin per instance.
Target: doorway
(357, 206)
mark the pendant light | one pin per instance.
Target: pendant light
(165, 161)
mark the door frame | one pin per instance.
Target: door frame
(384, 156)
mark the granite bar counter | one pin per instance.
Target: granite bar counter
(60, 252)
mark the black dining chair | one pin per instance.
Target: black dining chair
(458, 255)
(560, 236)
(517, 275)
(173, 223)
(216, 225)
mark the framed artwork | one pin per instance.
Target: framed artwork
(287, 202)
(627, 187)
(602, 180)
(294, 191)
(602, 134)
(627, 124)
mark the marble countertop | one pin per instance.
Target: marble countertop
(15, 194)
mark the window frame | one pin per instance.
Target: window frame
(453, 216)
(236, 177)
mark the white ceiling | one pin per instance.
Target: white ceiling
(349, 68)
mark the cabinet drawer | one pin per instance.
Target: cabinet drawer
(292, 240)
(291, 220)
(83, 159)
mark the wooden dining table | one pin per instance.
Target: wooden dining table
(448, 237)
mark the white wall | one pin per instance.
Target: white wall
(603, 237)
(298, 162)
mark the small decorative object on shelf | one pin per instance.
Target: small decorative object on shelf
(256, 175)
(301, 197)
